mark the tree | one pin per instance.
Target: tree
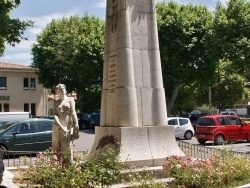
(231, 29)
(11, 30)
(228, 91)
(184, 38)
(70, 51)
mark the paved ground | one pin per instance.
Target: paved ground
(7, 179)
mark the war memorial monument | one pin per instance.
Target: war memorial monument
(133, 108)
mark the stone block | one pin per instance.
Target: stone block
(139, 146)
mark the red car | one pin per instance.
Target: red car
(221, 128)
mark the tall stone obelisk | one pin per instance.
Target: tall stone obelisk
(133, 109)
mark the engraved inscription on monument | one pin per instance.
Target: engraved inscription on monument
(140, 149)
(112, 72)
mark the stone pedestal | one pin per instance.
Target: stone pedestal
(139, 146)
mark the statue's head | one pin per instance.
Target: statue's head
(60, 89)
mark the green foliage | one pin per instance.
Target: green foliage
(231, 29)
(229, 91)
(70, 51)
(86, 171)
(11, 29)
(100, 170)
(184, 38)
(103, 169)
(219, 171)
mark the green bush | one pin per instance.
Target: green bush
(219, 171)
(86, 171)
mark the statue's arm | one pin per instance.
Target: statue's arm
(73, 112)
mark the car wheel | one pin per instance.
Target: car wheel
(202, 141)
(188, 135)
(219, 140)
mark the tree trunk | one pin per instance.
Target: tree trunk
(170, 101)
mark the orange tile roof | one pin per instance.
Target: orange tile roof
(13, 66)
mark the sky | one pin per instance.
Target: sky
(43, 11)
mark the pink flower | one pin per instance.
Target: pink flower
(196, 169)
(208, 162)
(189, 159)
(232, 170)
(55, 158)
(185, 164)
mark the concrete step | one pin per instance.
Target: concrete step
(157, 172)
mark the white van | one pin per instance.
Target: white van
(14, 116)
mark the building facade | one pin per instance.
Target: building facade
(20, 90)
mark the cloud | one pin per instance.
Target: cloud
(42, 21)
(35, 30)
(20, 58)
(223, 2)
(25, 44)
(101, 4)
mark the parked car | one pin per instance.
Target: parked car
(28, 135)
(3, 122)
(221, 128)
(45, 117)
(94, 120)
(83, 120)
(234, 113)
(182, 127)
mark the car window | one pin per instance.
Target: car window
(24, 128)
(183, 121)
(41, 126)
(232, 121)
(221, 120)
(10, 131)
(6, 126)
(206, 122)
(172, 122)
(239, 122)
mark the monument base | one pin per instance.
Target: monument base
(139, 146)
